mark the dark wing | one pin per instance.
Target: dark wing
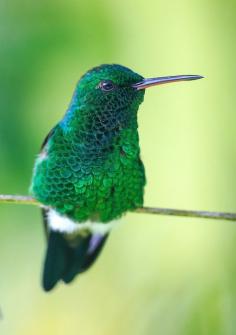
(44, 211)
(47, 138)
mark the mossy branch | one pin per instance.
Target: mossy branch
(27, 200)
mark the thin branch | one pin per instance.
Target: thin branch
(188, 213)
(27, 200)
(18, 199)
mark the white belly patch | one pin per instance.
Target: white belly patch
(63, 224)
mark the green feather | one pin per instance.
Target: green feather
(90, 166)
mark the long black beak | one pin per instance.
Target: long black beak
(145, 83)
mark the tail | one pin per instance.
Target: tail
(67, 257)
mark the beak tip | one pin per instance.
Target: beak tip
(200, 77)
(192, 77)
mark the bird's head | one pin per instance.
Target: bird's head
(111, 94)
(113, 86)
(110, 87)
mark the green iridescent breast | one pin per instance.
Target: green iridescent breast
(84, 187)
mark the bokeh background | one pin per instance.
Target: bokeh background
(157, 275)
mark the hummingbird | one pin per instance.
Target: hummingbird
(89, 171)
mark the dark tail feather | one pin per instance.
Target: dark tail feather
(55, 261)
(66, 258)
(77, 255)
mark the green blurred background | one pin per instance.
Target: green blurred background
(157, 275)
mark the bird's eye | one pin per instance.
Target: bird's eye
(106, 85)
